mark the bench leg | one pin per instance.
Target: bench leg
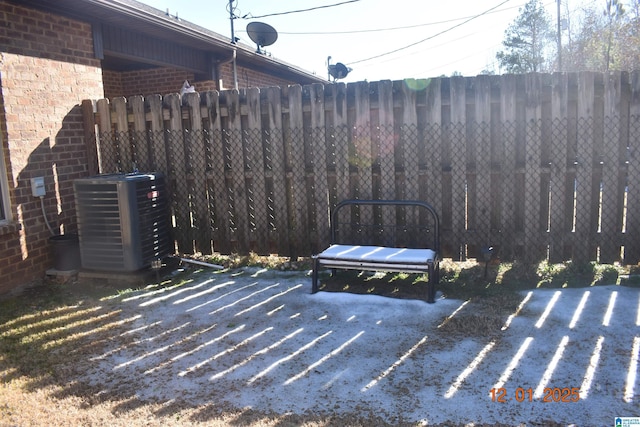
(314, 276)
(431, 284)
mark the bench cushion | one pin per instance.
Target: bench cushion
(377, 254)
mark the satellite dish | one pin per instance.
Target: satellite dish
(262, 34)
(338, 70)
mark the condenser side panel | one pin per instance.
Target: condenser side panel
(153, 220)
(99, 225)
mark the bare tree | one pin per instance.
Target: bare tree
(604, 38)
(613, 12)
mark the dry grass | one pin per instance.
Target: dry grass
(47, 331)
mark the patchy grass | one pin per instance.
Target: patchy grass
(494, 294)
(467, 280)
(47, 330)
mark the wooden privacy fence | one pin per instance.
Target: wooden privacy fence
(537, 166)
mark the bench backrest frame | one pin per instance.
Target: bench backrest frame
(410, 203)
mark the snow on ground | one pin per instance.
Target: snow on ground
(259, 339)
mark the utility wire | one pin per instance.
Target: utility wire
(249, 16)
(375, 30)
(430, 37)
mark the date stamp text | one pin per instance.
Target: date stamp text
(550, 394)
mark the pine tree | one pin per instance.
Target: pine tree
(526, 40)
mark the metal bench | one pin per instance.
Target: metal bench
(383, 235)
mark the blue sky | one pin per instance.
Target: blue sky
(430, 38)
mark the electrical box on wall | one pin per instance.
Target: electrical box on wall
(37, 186)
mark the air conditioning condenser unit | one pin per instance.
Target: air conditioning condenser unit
(123, 221)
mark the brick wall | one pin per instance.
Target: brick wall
(112, 81)
(168, 80)
(249, 78)
(153, 81)
(46, 69)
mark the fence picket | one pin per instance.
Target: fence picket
(361, 139)
(294, 143)
(106, 142)
(560, 220)
(458, 166)
(255, 167)
(632, 220)
(217, 184)
(584, 172)
(482, 163)
(409, 138)
(340, 141)
(141, 153)
(158, 148)
(318, 151)
(237, 185)
(507, 160)
(431, 191)
(613, 170)
(90, 137)
(408, 151)
(177, 175)
(385, 153)
(532, 174)
(197, 176)
(126, 163)
(277, 193)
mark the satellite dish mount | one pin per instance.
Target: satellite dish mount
(262, 34)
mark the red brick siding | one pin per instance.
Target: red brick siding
(47, 69)
(168, 80)
(112, 81)
(151, 82)
(249, 78)
(33, 33)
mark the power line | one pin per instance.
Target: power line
(430, 37)
(249, 16)
(395, 28)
